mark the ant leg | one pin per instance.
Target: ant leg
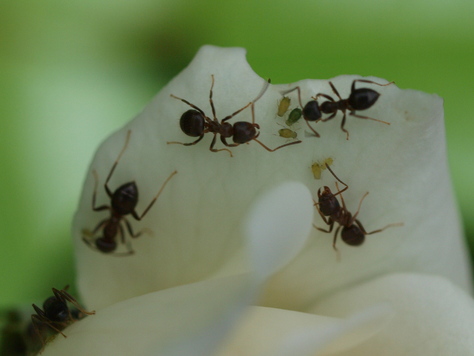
(252, 108)
(368, 81)
(358, 208)
(330, 222)
(235, 113)
(378, 230)
(210, 98)
(273, 150)
(63, 295)
(127, 242)
(127, 139)
(134, 213)
(314, 131)
(187, 102)
(109, 193)
(352, 113)
(99, 225)
(343, 122)
(324, 96)
(342, 197)
(220, 149)
(293, 89)
(224, 141)
(132, 233)
(335, 90)
(340, 181)
(41, 317)
(186, 144)
(335, 239)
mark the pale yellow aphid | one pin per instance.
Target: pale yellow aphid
(318, 167)
(287, 133)
(283, 106)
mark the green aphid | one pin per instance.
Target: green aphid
(283, 106)
(294, 116)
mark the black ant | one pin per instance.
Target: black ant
(359, 99)
(56, 315)
(122, 202)
(353, 232)
(195, 123)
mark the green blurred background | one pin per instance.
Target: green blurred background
(74, 71)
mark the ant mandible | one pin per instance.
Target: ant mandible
(353, 232)
(195, 123)
(56, 314)
(359, 99)
(122, 202)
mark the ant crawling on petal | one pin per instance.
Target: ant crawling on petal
(353, 232)
(359, 99)
(55, 315)
(122, 202)
(195, 123)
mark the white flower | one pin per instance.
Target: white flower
(221, 276)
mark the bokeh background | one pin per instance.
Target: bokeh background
(73, 71)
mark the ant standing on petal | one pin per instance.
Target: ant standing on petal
(122, 202)
(359, 99)
(353, 232)
(56, 315)
(195, 123)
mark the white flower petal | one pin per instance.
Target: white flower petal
(278, 332)
(274, 239)
(196, 220)
(432, 316)
(186, 320)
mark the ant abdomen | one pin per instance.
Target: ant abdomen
(192, 123)
(352, 235)
(106, 246)
(362, 99)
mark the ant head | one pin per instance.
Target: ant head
(56, 309)
(352, 235)
(311, 111)
(325, 194)
(361, 99)
(192, 123)
(244, 132)
(328, 203)
(105, 246)
(125, 198)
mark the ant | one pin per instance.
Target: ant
(122, 202)
(195, 123)
(353, 232)
(359, 99)
(56, 314)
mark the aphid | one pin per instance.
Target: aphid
(317, 168)
(310, 112)
(359, 99)
(56, 315)
(283, 106)
(123, 201)
(353, 232)
(195, 123)
(287, 133)
(294, 116)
